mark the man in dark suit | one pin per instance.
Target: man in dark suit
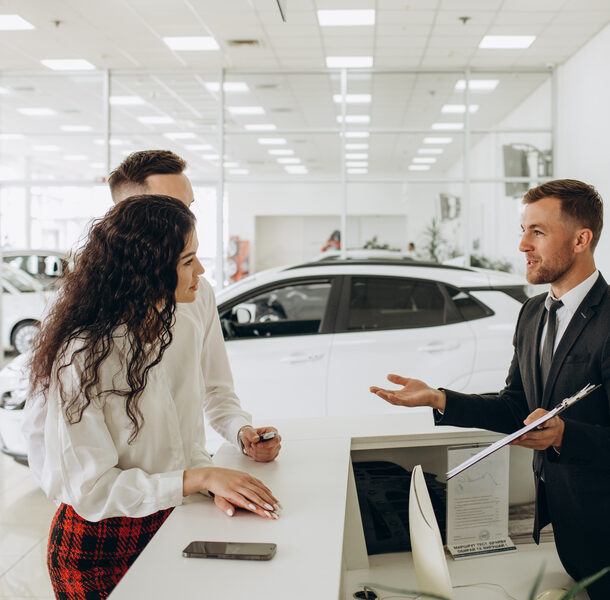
(561, 343)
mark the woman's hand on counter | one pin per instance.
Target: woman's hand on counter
(232, 489)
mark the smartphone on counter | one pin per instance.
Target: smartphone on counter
(233, 550)
(269, 435)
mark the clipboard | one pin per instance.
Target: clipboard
(565, 403)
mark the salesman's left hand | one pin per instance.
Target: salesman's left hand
(257, 449)
(550, 434)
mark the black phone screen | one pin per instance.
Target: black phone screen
(235, 550)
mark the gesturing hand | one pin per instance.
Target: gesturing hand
(413, 393)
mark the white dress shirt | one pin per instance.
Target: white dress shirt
(91, 466)
(571, 301)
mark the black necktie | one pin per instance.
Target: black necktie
(549, 340)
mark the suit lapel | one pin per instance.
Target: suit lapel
(579, 321)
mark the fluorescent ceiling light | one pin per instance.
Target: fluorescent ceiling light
(357, 134)
(281, 152)
(76, 128)
(352, 98)
(37, 112)
(75, 157)
(356, 146)
(14, 23)
(356, 156)
(430, 151)
(112, 142)
(46, 148)
(211, 156)
(126, 100)
(354, 118)
(239, 171)
(346, 18)
(507, 42)
(198, 147)
(68, 64)
(424, 160)
(288, 161)
(155, 120)
(339, 62)
(11, 136)
(97, 165)
(4, 90)
(227, 86)
(180, 135)
(459, 108)
(419, 167)
(246, 110)
(296, 170)
(230, 164)
(357, 171)
(448, 126)
(272, 141)
(260, 127)
(356, 163)
(191, 43)
(477, 85)
(437, 140)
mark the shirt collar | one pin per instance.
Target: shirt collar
(572, 299)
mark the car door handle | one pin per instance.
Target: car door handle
(439, 347)
(301, 357)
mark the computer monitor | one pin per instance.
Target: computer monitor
(426, 543)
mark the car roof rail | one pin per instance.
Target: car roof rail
(399, 262)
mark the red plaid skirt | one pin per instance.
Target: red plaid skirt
(87, 559)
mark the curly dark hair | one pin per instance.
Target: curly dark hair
(124, 276)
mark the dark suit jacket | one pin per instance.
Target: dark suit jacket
(577, 481)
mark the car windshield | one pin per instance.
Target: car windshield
(20, 281)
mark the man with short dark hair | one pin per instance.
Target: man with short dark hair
(562, 342)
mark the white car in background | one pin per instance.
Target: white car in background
(308, 340)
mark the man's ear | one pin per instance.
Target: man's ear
(582, 240)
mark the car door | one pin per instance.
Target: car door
(398, 325)
(278, 340)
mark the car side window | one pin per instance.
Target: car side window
(468, 307)
(394, 303)
(296, 309)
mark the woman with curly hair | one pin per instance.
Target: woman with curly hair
(123, 434)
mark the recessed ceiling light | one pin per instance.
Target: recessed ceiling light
(14, 23)
(76, 128)
(356, 155)
(11, 136)
(191, 43)
(281, 152)
(246, 110)
(459, 108)
(354, 118)
(448, 126)
(180, 135)
(239, 171)
(352, 98)
(477, 85)
(507, 42)
(228, 86)
(272, 141)
(357, 134)
(46, 148)
(155, 120)
(260, 127)
(126, 100)
(198, 147)
(288, 161)
(357, 171)
(437, 140)
(37, 112)
(346, 18)
(423, 160)
(430, 151)
(340, 62)
(356, 163)
(296, 170)
(68, 64)
(210, 156)
(356, 146)
(419, 167)
(75, 157)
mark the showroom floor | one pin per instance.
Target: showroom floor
(25, 516)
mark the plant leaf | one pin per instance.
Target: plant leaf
(582, 584)
(537, 581)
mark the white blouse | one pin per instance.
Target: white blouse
(91, 466)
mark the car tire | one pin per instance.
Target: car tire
(23, 335)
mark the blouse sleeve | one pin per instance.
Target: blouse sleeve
(82, 470)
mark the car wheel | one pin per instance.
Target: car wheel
(23, 335)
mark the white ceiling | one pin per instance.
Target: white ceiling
(126, 36)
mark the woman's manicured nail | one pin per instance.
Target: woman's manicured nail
(268, 506)
(229, 512)
(276, 516)
(267, 513)
(251, 507)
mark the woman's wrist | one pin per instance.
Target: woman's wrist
(194, 480)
